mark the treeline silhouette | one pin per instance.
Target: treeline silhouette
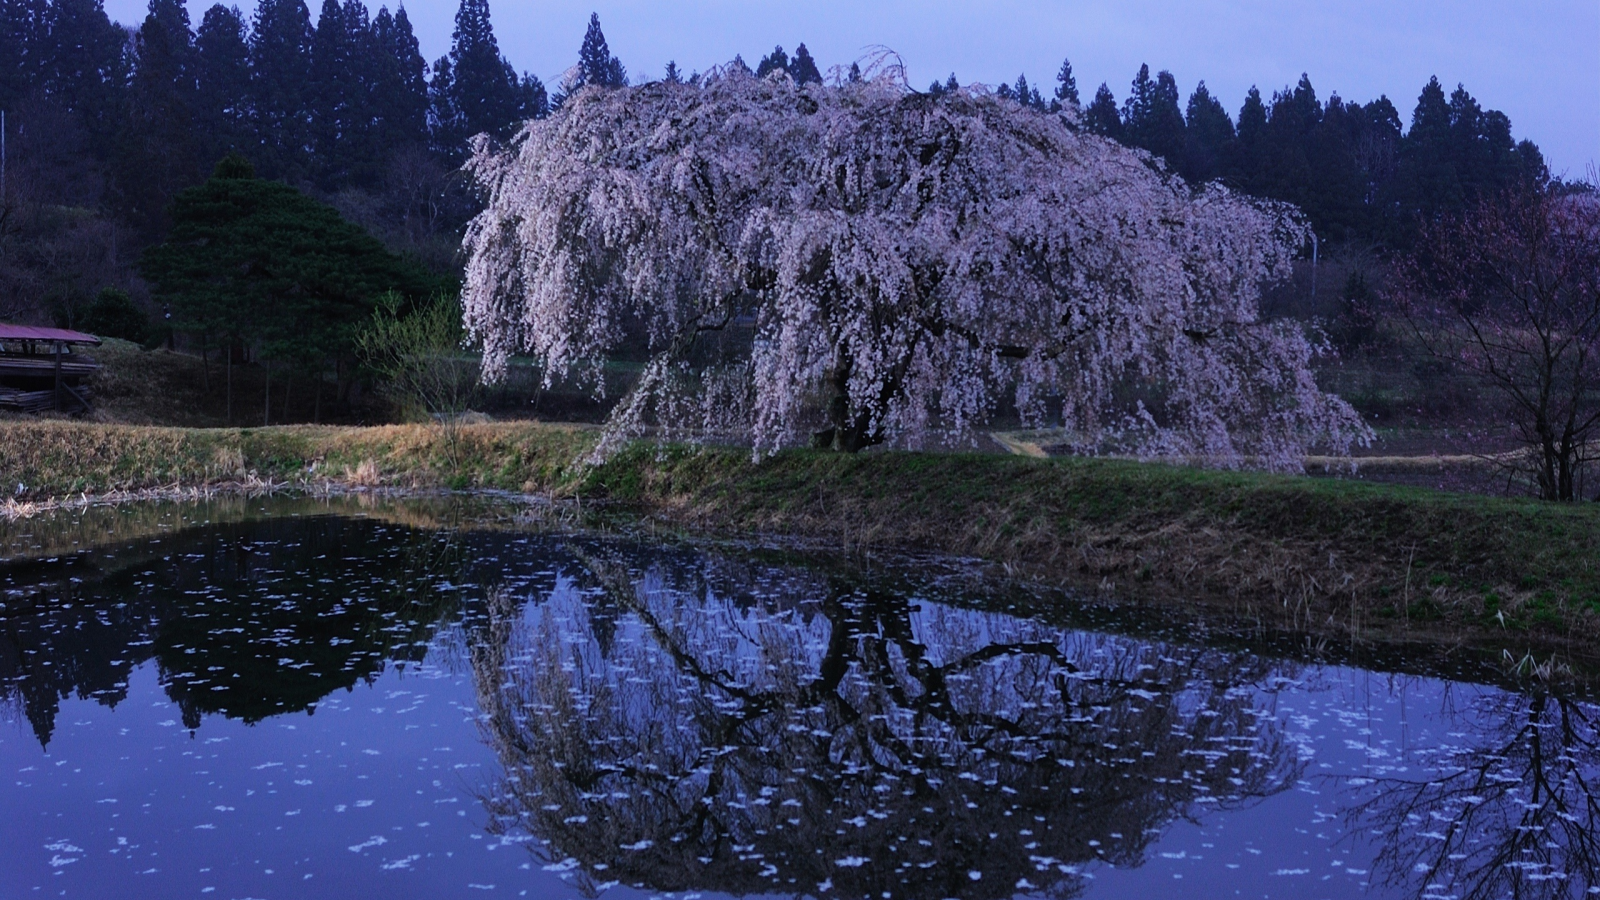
(106, 124)
(1354, 168)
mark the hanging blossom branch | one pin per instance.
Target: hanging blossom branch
(900, 265)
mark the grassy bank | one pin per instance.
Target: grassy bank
(1322, 556)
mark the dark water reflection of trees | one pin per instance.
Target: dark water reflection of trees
(710, 728)
(1511, 808)
(699, 721)
(248, 619)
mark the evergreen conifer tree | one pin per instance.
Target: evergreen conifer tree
(222, 83)
(1208, 132)
(1151, 117)
(672, 76)
(772, 62)
(596, 65)
(24, 33)
(1102, 117)
(1139, 108)
(85, 66)
(1244, 167)
(400, 83)
(157, 153)
(485, 93)
(1066, 92)
(446, 131)
(334, 93)
(803, 69)
(280, 57)
(1427, 180)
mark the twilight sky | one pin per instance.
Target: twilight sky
(1537, 60)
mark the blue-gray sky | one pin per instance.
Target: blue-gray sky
(1538, 60)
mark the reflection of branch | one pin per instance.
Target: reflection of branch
(1518, 817)
(697, 740)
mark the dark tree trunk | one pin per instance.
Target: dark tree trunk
(847, 431)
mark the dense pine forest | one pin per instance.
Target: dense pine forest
(106, 125)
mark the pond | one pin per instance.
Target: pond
(295, 699)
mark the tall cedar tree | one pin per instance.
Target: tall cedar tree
(280, 57)
(596, 65)
(1244, 165)
(803, 69)
(23, 27)
(1151, 118)
(400, 83)
(85, 67)
(159, 147)
(1208, 132)
(777, 60)
(1102, 117)
(222, 83)
(1066, 92)
(475, 89)
(256, 262)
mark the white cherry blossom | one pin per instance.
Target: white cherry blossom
(878, 265)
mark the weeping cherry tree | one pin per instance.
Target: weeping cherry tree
(899, 265)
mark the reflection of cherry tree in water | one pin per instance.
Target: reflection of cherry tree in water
(675, 735)
(1515, 813)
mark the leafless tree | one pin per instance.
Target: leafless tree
(1510, 293)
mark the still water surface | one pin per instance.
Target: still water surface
(277, 700)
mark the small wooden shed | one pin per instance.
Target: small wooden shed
(44, 368)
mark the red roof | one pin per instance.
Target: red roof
(30, 333)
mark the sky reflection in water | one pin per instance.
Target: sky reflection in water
(362, 705)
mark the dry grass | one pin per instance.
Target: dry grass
(1315, 555)
(1311, 555)
(44, 459)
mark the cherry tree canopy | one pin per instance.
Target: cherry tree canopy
(886, 264)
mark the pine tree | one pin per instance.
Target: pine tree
(1066, 92)
(280, 57)
(775, 61)
(1102, 117)
(222, 83)
(596, 65)
(673, 76)
(803, 69)
(1208, 132)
